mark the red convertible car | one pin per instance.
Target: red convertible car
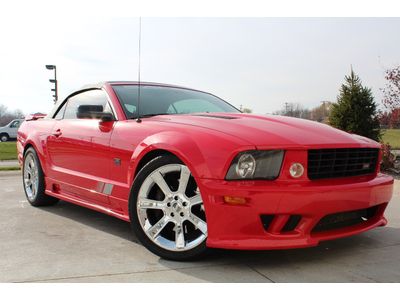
(189, 171)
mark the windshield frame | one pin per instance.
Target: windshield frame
(138, 116)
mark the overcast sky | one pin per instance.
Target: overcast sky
(255, 62)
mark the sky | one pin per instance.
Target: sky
(258, 63)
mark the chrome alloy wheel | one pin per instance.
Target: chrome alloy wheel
(170, 208)
(31, 176)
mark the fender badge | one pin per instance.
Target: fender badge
(117, 161)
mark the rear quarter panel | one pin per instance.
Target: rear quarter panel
(34, 133)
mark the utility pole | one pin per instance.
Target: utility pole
(55, 90)
(286, 109)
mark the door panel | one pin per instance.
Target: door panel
(78, 151)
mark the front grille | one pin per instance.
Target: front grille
(336, 163)
(345, 219)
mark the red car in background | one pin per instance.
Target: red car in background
(190, 172)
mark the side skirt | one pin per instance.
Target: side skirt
(89, 205)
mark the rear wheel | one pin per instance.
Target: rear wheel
(166, 210)
(33, 180)
(4, 137)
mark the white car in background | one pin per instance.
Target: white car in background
(10, 130)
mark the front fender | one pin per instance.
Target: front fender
(207, 153)
(181, 145)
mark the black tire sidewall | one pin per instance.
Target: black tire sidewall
(192, 254)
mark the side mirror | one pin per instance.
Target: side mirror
(94, 112)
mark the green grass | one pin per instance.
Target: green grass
(10, 168)
(8, 151)
(392, 136)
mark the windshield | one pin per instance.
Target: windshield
(156, 100)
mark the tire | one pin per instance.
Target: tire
(163, 212)
(4, 137)
(33, 180)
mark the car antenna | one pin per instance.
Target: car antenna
(138, 101)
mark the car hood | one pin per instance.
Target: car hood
(273, 131)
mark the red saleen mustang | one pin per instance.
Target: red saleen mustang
(189, 171)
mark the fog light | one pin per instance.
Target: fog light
(234, 200)
(296, 170)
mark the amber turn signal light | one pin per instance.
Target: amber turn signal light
(234, 200)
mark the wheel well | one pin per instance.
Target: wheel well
(27, 146)
(149, 156)
(4, 133)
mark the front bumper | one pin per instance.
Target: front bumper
(240, 226)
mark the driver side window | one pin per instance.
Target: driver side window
(93, 97)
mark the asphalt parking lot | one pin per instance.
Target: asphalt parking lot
(67, 243)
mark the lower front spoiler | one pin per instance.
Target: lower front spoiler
(295, 241)
(242, 227)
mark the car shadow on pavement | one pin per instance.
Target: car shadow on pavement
(336, 256)
(94, 219)
(367, 257)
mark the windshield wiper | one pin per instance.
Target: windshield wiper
(150, 115)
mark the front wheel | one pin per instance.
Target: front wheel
(166, 210)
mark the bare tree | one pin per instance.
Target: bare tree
(391, 91)
(321, 113)
(246, 110)
(7, 116)
(296, 110)
(3, 110)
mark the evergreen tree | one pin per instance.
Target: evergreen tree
(355, 110)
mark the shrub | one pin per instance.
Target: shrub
(387, 157)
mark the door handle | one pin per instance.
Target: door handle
(57, 133)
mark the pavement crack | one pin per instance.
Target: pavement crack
(258, 272)
(118, 273)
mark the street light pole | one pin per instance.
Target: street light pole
(55, 90)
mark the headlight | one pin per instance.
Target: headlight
(256, 165)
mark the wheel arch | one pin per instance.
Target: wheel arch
(30, 144)
(27, 146)
(176, 144)
(150, 156)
